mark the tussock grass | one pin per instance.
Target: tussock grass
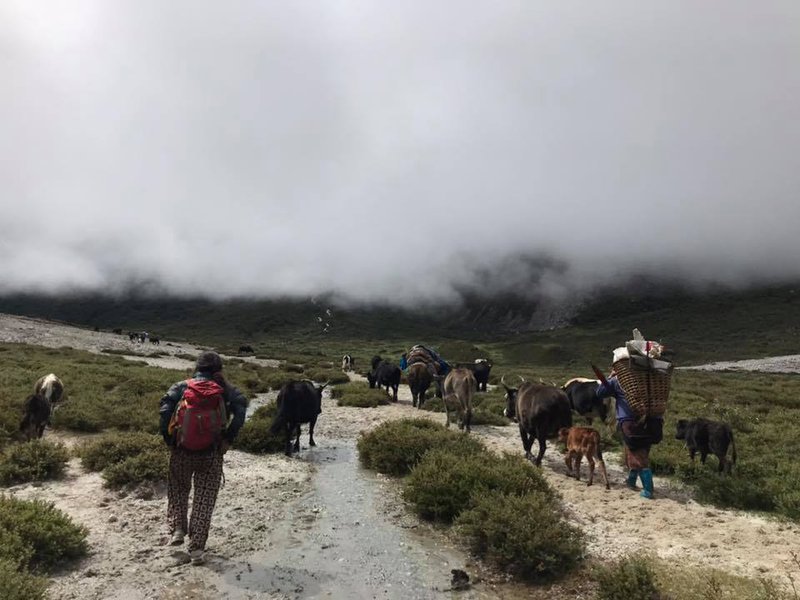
(255, 437)
(359, 394)
(18, 584)
(149, 466)
(48, 537)
(523, 534)
(395, 447)
(446, 482)
(36, 460)
(633, 578)
(487, 409)
(501, 505)
(646, 577)
(103, 392)
(330, 375)
(127, 458)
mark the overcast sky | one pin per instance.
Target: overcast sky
(391, 150)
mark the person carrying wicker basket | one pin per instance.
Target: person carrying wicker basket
(638, 435)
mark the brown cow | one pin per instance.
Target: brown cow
(419, 380)
(582, 441)
(459, 387)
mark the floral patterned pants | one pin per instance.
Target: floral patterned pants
(205, 468)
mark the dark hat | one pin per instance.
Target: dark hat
(209, 361)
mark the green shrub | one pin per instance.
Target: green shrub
(255, 436)
(52, 536)
(434, 405)
(484, 412)
(113, 448)
(292, 368)
(151, 465)
(330, 375)
(447, 480)
(358, 393)
(20, 585)
(14, 549)
(631, 579)
(36, 460)
(484, 416)
(396, 446)
(526, 535)
(276, 380)
(741, 491)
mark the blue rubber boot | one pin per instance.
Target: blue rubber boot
(647, 483)
(632, 477)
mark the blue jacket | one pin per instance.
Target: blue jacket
(613, 388)
(235, 407)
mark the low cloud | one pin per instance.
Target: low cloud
(397, 152)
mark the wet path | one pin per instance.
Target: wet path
(350, 537)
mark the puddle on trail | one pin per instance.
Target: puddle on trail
(344, 540)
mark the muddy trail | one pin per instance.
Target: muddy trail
(319, 526)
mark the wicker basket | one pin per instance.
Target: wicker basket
(647, 391)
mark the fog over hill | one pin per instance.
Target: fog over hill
(404, 153)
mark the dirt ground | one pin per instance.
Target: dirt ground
(773, 364)
(317, 526)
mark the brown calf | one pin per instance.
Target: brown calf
(582, 441)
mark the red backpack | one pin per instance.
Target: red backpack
(199, 420)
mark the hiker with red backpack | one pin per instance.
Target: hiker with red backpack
(200, 418)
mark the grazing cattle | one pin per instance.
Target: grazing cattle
(459, 387)
(541, 410)
(582, 394)
(480, 369)
(708, 437)
(245, 350)
(298, 402)
(133, 336)
(582, 441)
(348, 363)
(155, 340)
(419, 380)
(36, 416)
(50, 388)
(118, 330)
(385, 373)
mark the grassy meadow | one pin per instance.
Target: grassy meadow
(107, 393)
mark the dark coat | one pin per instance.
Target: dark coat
(36, 416)
(708, 437)
(540, 410)
(385, 374)
(298, 402)
(584, 400)
(419, 380)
